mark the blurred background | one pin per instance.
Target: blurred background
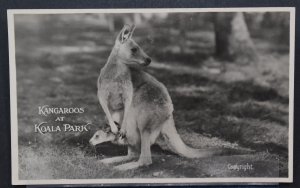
(227, 74)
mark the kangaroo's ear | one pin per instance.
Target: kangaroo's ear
(132, 30)
(125, 34)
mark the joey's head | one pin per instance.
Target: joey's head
(128, 50)
(102, 136)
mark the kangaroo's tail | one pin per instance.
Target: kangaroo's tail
(176, 144)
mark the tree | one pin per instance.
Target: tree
(232, 38)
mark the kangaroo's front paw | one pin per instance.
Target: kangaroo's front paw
(122, 133)
(114, 128)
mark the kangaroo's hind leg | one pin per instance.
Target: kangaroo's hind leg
(130, 155)
(148, 130)
(145, 156)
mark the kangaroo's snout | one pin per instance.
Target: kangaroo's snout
(147, 61)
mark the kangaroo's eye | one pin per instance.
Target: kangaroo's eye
(97, 136)
(133, 50)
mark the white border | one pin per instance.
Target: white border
(13, 98)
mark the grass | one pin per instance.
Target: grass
(244, 107)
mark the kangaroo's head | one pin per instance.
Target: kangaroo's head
(128, 50)
(102, 136)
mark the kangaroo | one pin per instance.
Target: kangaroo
(140, 104)
(115, 87)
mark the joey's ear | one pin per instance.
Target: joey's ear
(107, 130)
(125, 33)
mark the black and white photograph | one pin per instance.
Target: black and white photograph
(118, 96)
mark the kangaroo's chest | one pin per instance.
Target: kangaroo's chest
(116, 96)
(116, 89)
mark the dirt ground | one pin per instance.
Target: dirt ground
(217, 104)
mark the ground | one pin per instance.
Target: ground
(217, 104)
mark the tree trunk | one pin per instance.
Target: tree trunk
(137, 19)
(232, 38)
(110, 22)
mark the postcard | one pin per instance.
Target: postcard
(152, 96)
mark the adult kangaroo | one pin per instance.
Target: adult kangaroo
(139, 103)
